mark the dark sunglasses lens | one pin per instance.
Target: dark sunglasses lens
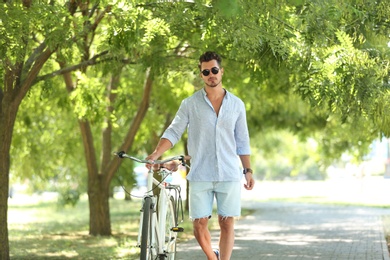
(215, 70)
(206, 72)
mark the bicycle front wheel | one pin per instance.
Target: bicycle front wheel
(170, 235)
(146, 237)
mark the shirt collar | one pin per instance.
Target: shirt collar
(227, 93)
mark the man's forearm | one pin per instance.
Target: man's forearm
(245, 161)
(162, 146)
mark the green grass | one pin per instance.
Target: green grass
(42, 230)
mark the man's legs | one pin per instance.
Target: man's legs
(226, 239)
(229, 206)
(202, 235)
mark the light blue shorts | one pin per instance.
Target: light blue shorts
(226, 194)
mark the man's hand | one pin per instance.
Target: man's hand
(250, 182)
(171, 166)
(152, 157)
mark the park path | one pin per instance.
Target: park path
(282, 231)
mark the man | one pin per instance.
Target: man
(217, 133)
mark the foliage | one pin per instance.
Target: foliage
(346, 71)
(46, 141)
(283, 156)
(283, 51)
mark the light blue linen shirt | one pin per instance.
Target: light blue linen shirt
(213, 141)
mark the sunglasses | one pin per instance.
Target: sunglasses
(214, 70)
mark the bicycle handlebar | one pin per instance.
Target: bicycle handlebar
(181, 158)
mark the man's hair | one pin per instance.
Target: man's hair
(208, 56)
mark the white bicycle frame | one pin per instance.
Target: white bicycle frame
(158, 226)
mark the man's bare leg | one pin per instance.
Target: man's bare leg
(202, 235)
(226, 239)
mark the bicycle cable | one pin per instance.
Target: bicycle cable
(137, 196)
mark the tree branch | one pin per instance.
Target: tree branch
(90, 62)
(107, 131)
(94, 60)
(100, 17)
(33, 56)
(32, 75)
(89, 148)
(94, 7)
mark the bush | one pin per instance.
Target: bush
(69, 197)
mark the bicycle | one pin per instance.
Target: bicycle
(159, 219)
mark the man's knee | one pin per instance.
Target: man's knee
(226, 222)
(200, 223)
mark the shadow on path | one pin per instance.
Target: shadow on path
(303, 231)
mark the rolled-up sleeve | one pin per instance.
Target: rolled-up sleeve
(179, 124)
(242, 133)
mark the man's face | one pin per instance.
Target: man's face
(209, 68)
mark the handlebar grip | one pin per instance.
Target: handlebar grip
(120, 154)
(184, 158)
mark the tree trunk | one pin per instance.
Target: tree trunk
(99, 209)
(98, 187)
(10, 100)
(7, 121)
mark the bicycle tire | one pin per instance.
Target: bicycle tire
(146, 230)
(170, 235)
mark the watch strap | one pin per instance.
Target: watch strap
(246, 170)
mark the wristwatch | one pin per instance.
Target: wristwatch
(247, 170)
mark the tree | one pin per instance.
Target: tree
(30, 35)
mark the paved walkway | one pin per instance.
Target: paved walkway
(302, 231)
